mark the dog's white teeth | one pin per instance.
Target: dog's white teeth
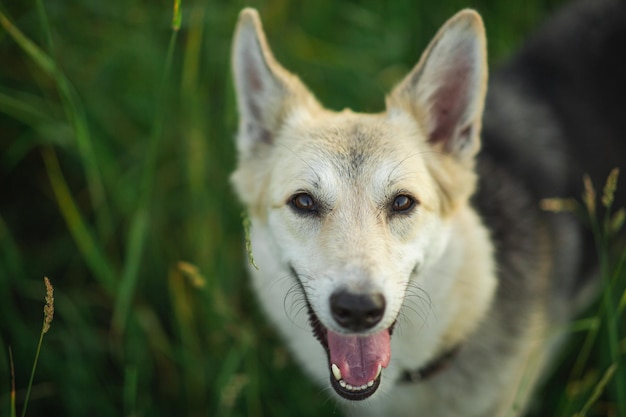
(337, 374)
(356, 388)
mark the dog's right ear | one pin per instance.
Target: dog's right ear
(266, 92)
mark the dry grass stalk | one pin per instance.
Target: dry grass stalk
(48, 309)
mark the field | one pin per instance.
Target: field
(117, 121)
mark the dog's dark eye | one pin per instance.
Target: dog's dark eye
(303, 202)
(402, 203)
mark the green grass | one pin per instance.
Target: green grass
(116, 128)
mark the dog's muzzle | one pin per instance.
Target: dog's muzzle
(356, 356)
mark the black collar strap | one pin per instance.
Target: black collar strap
(431, 368)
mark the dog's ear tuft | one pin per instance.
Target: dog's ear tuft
(264, 88)
(445, 91)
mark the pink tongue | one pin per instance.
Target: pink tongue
(358, 357)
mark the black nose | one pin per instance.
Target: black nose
(357, 312)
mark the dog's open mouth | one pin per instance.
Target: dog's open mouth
(355, 361)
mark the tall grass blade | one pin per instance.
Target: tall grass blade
(9, 250)
(74, 112)
(12, 406)
(586, 349)
(22, 110)
(32, 50)
(45, 26)
(609, 302)
(602, 235)
(246, 229)
(48, 312)
(130, 273)
(141, 218)
(77, 226)
(177, 16)
(597, 391)
(130, 390)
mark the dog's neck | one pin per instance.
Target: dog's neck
(467, 264)
(438, 364)
(475, 281)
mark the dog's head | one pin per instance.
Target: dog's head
(357, 205)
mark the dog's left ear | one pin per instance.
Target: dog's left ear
(445, 91)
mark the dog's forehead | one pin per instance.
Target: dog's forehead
(358, 146)
(351, 149)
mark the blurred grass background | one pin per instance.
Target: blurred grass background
(115, 150)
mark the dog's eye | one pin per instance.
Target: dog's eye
(303, 202)
(402, 203)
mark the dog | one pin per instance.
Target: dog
(435, 284)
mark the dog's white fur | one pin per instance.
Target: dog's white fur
(434, 266)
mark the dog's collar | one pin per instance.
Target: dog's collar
(433, 367)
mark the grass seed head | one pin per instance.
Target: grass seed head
(609, 188)
(589, 196)
(617, 221)
(558, 205)
(48, 309)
